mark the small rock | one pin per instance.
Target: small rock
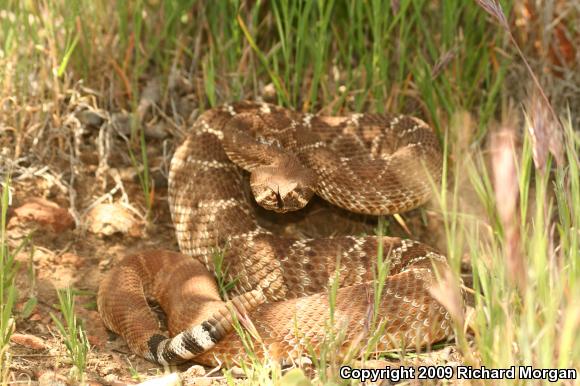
(150, 96)
(122, 122)
(35, 317)
(201, 381)
(126, 174)
(42, 256)
(109, 219)
(195, 371)
(44, 212)
(72, 259)
(30, 341)
(269, 92)
(195, 375)
(158, 178)
(91, 119)
(185, 107)
(50, 378)
(237, 372)
(155, 130)
(167, 380)
(114, 380)
(104, 265)
(179, 82)
(111, 378)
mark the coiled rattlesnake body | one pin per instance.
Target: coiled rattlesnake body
(372, 164)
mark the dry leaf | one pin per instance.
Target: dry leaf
(30, 341)
(44, 212)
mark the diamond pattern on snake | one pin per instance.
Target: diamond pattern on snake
(364, 163)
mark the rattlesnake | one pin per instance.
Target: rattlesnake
(372, 164)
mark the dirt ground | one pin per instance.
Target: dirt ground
(79, 208)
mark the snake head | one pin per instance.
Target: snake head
(282, 189)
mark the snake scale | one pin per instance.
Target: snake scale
(365, 163)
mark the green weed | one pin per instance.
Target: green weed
(73, 333)
(8, 269)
